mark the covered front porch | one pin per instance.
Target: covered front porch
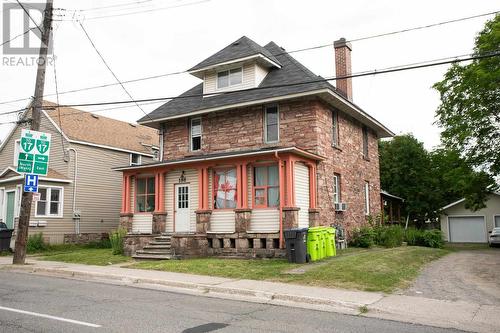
(222, 203)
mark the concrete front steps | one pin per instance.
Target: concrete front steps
(158, 249)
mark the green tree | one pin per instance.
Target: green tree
(469, 113)
(404, 171)
(429, 180)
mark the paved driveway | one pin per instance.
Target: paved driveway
(472, 275)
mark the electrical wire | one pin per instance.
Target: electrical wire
(360, 74)
(27, 13)
(111, 71)
(285, 52)
(15, 37)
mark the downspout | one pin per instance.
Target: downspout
(76, 215)
(162, 133)
(281, 192)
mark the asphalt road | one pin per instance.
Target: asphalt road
(30, 303)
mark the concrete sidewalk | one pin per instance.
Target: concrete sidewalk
(460, 315)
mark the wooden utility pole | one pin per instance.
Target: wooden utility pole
(36, 107)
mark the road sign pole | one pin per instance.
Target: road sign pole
(27, 197)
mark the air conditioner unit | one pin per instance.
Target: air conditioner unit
(340, 207)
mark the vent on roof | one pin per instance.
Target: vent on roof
(95, 116)
(236, 43)
(133, 125)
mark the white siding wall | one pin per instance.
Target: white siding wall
(171, 179)
(302, 193)
(222, 221)
(260, 74)
(210, 81)
(265, 220)
(142, 223)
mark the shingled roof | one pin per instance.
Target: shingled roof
(291, 79)
(243, 47)
(291, 72)
(88, 127)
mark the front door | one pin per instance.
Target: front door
(181, 208)
(9, 218)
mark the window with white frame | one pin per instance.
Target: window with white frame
(195, 134)
(367, 198)
(50, 203)
(228, 78)
(336, 188)
(17, 149)
(135, 159)
(271, 124)
(497, 221)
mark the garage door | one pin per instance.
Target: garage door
(467, 229)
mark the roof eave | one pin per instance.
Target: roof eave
(199, 72)
(345, 105)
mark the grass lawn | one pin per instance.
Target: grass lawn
(372, 270)
(81, 255)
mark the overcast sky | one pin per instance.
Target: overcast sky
(174, 39)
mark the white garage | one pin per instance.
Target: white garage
(467, 229)
(462, 225)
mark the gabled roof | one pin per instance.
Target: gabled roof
(10, 174)
(462, 200)
(242, 48)
(87, 127)
(291, 80)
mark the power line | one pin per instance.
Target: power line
(114, 6)
(15, 37)
(111, 71)
(27, 13)
(360, 74)
(278, 54)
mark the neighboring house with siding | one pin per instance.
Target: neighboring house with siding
(462, 225)
(261, 145)
(80, 196)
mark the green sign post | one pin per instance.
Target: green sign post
(34, 152)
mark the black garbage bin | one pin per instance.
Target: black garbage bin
(5, 236)
(296, 245)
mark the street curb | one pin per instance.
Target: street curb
(214, 291)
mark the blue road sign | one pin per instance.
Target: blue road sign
(31, 183)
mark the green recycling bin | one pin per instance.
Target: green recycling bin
(323, 238)
(330, 243)
(313, 243)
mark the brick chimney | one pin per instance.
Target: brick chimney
(343, 67)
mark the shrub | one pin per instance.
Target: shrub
(390, 236)
(433, 238)
(363, 237)
(116, 240)
(413, 237)
(102, 244)
(36, 243)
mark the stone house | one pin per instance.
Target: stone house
(260, 145)
(80, 196)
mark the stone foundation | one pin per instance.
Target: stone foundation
(132, 243)
(84, 238)
(159, 222)
(237, 245)
(126, 221)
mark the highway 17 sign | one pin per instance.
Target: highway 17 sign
(34, 152)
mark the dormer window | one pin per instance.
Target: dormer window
(228, 78)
